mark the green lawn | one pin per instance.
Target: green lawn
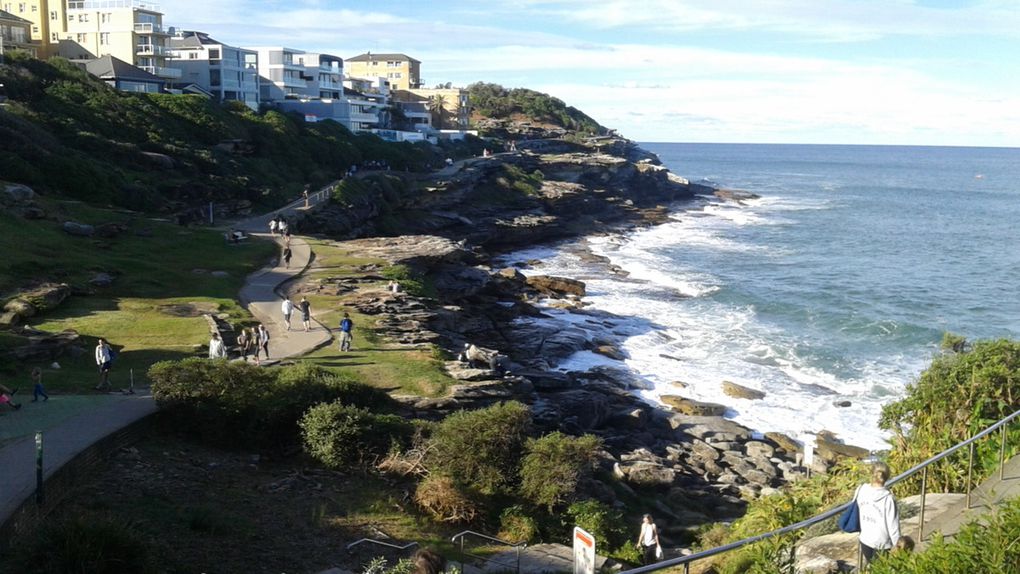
(155, 265)
(371, 360)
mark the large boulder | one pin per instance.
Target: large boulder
(159, 160)
(692, 407)
(46, 347)
(741, 392)
(14, 193)
(556, 286)
(830, 449)
(29, 303)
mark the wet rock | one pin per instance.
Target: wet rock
(741, 392)
(841, 404)
(610, 351)
(692, 407)
(784, 442)
(556, 286)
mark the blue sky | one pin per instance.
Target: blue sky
(934, 72)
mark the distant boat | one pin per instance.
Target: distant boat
(979, 176)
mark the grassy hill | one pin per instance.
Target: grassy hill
(64, 132)
(496, 102)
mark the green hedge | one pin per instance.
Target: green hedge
(340, 435)
(238, 404)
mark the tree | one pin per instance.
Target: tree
(437, 105)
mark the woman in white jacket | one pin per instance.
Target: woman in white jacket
(880, 521)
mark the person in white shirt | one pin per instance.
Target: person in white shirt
(880, 521)
(104, 358)
(262, 336)
(648, 540)
(217, 350)
(288, 308)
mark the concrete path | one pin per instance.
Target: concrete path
(68, 434)
(984, 499)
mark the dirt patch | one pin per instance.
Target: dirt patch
(192, 309)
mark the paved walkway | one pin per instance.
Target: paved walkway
(985, 498)
(68, 433)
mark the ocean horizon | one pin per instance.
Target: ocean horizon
(835, 286)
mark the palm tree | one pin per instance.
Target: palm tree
(437, 105)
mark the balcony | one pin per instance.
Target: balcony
(149, 28)
(168, 73)
(294, 82)
(151, 50)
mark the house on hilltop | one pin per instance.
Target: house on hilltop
(16, 34)
(123, 76)
(400, 70)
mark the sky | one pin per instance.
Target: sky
(905, 72)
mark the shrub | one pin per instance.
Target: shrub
(439, 496)
(89, 543)
(234, 403)
(481, 449)
(960, 394)
(602, 521)
(515, 525)
(339, 435)
(553, 466)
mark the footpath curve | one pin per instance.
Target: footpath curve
(62, 443)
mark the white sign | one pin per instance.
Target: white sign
(584, 552)
(809, 454)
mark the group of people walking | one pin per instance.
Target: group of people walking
(250, 341)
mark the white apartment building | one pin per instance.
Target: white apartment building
(228, 72)
(327, 72)
(283, 73)
(130, 30)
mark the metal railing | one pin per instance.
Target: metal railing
(380, 543)
(461, 536)
(1000, 426)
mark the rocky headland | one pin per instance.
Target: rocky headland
(701, 466)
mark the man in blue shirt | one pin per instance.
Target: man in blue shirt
(346, 326)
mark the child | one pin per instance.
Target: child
(904, 544)
(5, 397)
(37, 386)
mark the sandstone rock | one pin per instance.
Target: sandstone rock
(20, 307)
(708, 429)
(741, 392)
(43, 298)
(703, 451)
(784, 442)
(648, 474)
(831, 450)
(556, 286)
(827, 554)
(465, 372)
(693, 407)
(756, 448)
(45, 347)
(511, 274)
(610, 351)
(17, 193)
(78, 229)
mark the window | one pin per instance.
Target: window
(375, 63)
(104, 38)
(214, 53)
(35, 29)
(105, 17)
(35, 8)
(21, 7)
(192, 55)
(81, 38)
(83, 17)
(54, 37)
(54, 15)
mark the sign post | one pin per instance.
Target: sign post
(584, 552)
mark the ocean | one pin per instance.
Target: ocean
(836, 285)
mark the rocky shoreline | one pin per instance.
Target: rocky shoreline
(700, 466)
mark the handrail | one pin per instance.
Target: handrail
(381, 543)
(686, 561)
(461, 535)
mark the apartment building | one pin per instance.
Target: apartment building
(130, 30)
(400, 70)
(227, 72)
(16, 34)
(45, 19)
(327, 73)
(455, 104)
(283, 73)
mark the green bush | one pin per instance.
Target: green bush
(989, 547)
(91, 543)
(481, 449)
(340, 435)
(233, 403)
(553, 466)
(516, 525)
(600, 520)
(960, 394)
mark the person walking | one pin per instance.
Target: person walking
(7, 397)
(263, 343)
(287, 307)
(104, 358)
(282, 226)
(880, 521)
(217, 350)
(286, 257)
(37, 387)
(274, 226)
(648, 540)
(243, 343)
(346, 335)
(306, 313)
(306, 196)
